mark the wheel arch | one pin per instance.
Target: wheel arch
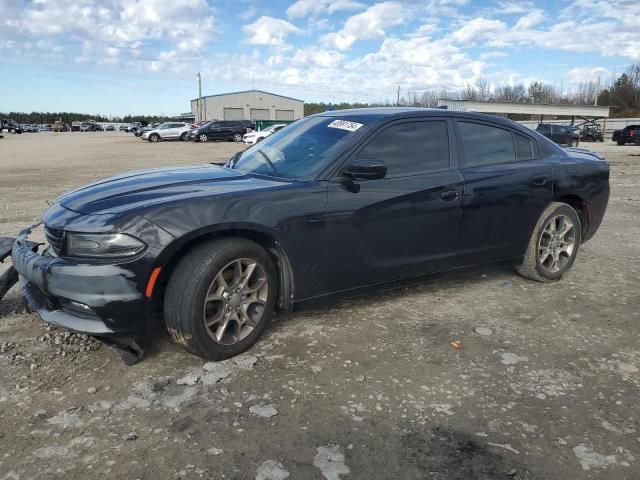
(581, 208)
(171, 256)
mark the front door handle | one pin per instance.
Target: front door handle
(540, 180)
(450, 195)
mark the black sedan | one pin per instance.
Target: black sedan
(336, 203)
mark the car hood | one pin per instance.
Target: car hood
(150, 188)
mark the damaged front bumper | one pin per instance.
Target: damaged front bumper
(103, 300)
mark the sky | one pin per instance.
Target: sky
(117, 57)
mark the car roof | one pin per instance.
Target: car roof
(372, 114)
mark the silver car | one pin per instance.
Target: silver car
(168, 131)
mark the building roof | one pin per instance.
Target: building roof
(249, 91)
(525, 108)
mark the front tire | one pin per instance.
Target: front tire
(554, 244)
(154, 137)
(203, 137)
(220, 298)
(237, 137)
(184, 137)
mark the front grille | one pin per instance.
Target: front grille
(55, 238)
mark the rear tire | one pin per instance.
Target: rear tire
(237, 137)
(550, 252)
(206, 288)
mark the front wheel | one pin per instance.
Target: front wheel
(154, 137)
(553, 245)
(203, 137)
(237, 137)
(220, 297)
(184, 137)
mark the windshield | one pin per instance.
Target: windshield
(301, 150)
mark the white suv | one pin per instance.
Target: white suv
(254, 137)
(168, 131)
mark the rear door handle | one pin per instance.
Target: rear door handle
(540, 179)
(450, 195)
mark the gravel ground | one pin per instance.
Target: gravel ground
(545, 385)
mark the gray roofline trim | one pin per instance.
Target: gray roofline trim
(523, 103)
(248, 91)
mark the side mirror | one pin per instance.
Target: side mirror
(365, 169)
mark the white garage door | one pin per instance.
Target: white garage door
(233, 113)
(259, 114)
(284, 114)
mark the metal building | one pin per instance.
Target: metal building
(248, 105)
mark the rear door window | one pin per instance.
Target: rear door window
(485, 144)
(410, 147)
(524, 147)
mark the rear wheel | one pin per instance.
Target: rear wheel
(237, 137)
(220, 297)
(553, 245)
(154, 137)
(203, 137)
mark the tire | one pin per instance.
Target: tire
(186, 311)
(533, 266)
(620, 142)
(184, 137)
(237, 137)
(203, 137)
(154, 138)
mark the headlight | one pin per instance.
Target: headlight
(102, 245)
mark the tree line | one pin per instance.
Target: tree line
(40, 118)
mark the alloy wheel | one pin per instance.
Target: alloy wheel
(203, 137)
(557, 243)
(237, 137)
(235, 301)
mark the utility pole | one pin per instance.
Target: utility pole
(199, 77)
(398, 101)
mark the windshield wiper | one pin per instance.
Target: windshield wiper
(231, 163)
(269, 162)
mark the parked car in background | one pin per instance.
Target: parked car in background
(255, 136)
(86, 127)
(366, 197)
(628, 134)
(168, 131)
(559, 134)
(122, 128)
(10, 126)
(232, 130)
(109, 128)
(148, 128)
(134, 127)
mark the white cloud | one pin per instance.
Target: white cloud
(304, 8)
(372, 23)
(493, 54)
(590, 34)
(534, 17)
(109, 31)
(478, 28)
(585, 74)
(269, 31)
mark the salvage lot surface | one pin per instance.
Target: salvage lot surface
(366, 389)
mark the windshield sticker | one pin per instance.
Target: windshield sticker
(344, 125)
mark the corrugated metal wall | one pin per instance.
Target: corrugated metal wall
(213, 107)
